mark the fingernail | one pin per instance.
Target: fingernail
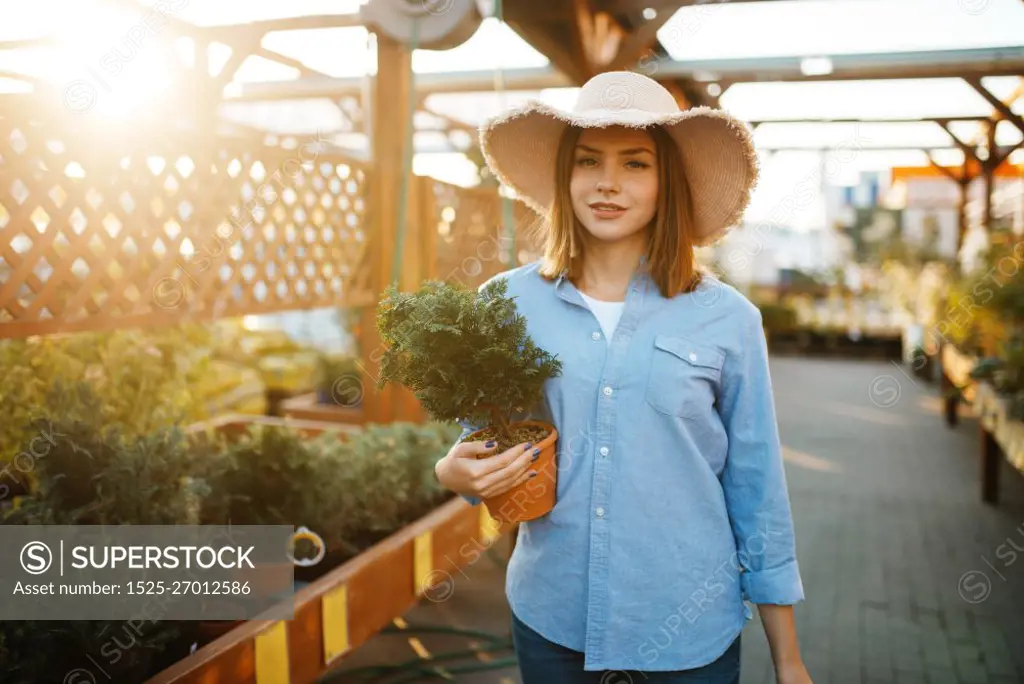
(536, 454)
(533, 474)
(528, 445)
(490, 444)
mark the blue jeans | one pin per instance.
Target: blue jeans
(544, 662)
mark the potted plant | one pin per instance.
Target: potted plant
(466, 356)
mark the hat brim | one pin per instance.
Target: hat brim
(718, 156)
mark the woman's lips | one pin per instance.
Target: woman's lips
(607, 212)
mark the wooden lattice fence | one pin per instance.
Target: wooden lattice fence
(146, 229)
(471, 243)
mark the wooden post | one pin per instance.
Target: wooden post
(418, 265)
(988, 173)
(389, 96)
(990, 454)
(949, 400)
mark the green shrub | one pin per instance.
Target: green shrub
(464, 353)
(48, 651)
(146, 379)
(87, 473)
(266, 476)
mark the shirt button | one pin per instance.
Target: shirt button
(604, 451)
(607, 391)
(595, 335)
(600, 512)
(693, 357)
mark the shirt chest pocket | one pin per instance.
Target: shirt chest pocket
(684, 377)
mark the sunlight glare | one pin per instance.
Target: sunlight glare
(106, 60)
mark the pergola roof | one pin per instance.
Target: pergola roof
(302, 67)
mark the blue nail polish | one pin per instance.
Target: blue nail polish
(533, 474)
(528, 445)
(490, 444)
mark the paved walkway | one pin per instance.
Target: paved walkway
(908, 576)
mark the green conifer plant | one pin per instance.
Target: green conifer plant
(466, 355)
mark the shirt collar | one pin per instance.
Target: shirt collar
(640, 280)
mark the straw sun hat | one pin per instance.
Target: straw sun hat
(718, 155)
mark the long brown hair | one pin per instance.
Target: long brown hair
(670, 247)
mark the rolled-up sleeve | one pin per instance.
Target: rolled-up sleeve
(754, 480)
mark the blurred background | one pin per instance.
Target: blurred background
(203, 201)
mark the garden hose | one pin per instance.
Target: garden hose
(419, 669)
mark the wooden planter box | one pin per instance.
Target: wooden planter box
(349, 605)
(1001, 436)
(306, 406)
(346, 607)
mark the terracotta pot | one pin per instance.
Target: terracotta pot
(536, 496)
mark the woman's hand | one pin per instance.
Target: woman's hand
(793, 673)
(461, 471)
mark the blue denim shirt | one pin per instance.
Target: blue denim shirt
(672, 507)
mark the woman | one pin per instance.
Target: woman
(672, 508)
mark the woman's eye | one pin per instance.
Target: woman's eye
(584, 160)
(639, 165)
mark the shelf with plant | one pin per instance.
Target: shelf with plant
(91, 473)
(467, 357)
(1006, 375)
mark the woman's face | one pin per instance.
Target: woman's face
(614, 166)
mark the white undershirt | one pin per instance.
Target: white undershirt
(607, 313)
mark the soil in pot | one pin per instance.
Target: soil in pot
(536, 496)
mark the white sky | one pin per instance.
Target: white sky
(89, 30)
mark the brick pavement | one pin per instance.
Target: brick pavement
(886, 503)
(889, 521)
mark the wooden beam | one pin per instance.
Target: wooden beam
(287, 61)
(682, 99)
(988, 171)
(535, 78)
(1000, 155)
(1001, 107)
(946, 171)
(567, 71)
(670, 6)
(639, 42)
(239, 53)
(580, 39)
(1001, 61)
(969, 151)
(263, 27)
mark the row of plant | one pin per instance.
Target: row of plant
(984, 318)
(153, 379)
(352, 492)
